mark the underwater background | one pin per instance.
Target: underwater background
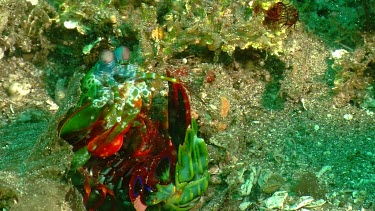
(283, 94)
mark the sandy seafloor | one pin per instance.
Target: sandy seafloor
(311, 147)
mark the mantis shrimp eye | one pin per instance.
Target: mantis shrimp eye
(106, 56)
(122, 53)
(106, 63)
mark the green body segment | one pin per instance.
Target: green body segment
(80, 119)
(90, 88)
(81, 156)
(86, 112)
(191, 175)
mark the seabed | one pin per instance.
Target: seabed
(287, 113)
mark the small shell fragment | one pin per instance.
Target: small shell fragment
(33, 2)
(244, 205)
(71, 24)
(302, 202)
(225, 105)
(276, 201)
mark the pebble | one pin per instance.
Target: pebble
(348, 117)
(1, 53)
(184, 60)
(17, 90)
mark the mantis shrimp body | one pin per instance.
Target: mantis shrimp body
(124, 159)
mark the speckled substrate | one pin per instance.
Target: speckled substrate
(33, 159)
(310, 136)
(21, 89)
